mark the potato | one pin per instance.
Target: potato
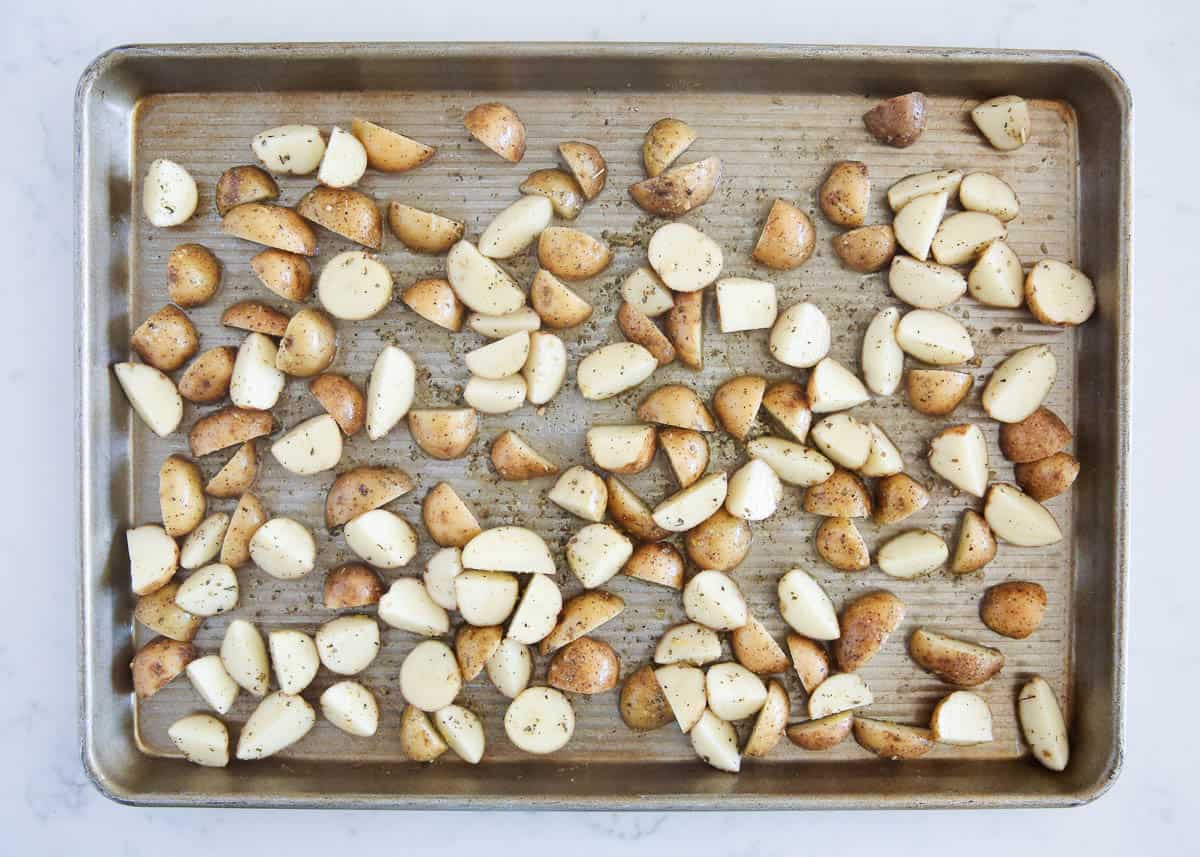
(419, 741)
(167, 339)
(255, 317)
(510, 668)
(202, 738)
(937, 392)
(641, 329)
(157, 663)
(976, 545)
(840, 544)
(810, 661)
(996, 278)
(295, 658)
(719, 542)
(846, 441)
(279, 722)
(756, 649)
(473, 647)
(666, 140)
(927, 285)
(351, 585)
(676, 405)
(508, 548)
(499, 128)
(571, 254)
(581, 492)
(513, 229)
(656, 562)
(1038, 436)
(286, 274)
(351, 707)
(910, 187)
(770, 723)
(159, 612)
(342, 400)
(407, 606)
(382, 539)
(449, 520)
(961, 719)
(212, 590)
(559, 187)
(684, 258)
(787, 403)
(754, 492)
(846, 193)
(885, 459)
(842, 495)
(959, 455)
(500, 358)
(916, 224)
(643, 705)
(440, 571)
(646, 291)
(688, 643)
(745, 304)
(354, 286)
(685, 329)
(585, 666)
(347, 645)
(693, 504)
(866, 249)
(1014, 608)
(244, 655)
(954, 661)
(387, 150)
(712, 599)
(734, 693)
(894, 741)
(193, 275)
(283, 548)
(443, 433)
(581, 615)
(516, 460)
(153, 558)
(1020, 383)
(715, 742)
(824, 733)
(1047, 477)
(362, 489)
(289, 149)
(596, 553)
(793, 463)
(463, 731)
(1059, 294)
(964, 235)
(622, 448)
(429, 676)
(1042, 724)
(169, 194)
(539, 720)
(683, 687)
(840, 692)
(898, 496)
(788, 238)
(912, 554)
(480, 283)
(348, 213)
(434, 300)
(180, 495)
(801, 336)
(586, 164)
(934, 337)
(986, 193)
(152, 395)
(898, 121)
(206, 380)
(612, 369)
(204, 543)
(678, 190)
(271, 226)
(537, 613)
(805, 606)
(256, 382)
(1004, 121)
(1019, 519)
(495, 396)
(423, 231)
(556, 303)
(485, 597)
(390, 390)
(243, 184)
(247, 518)
(630, 513)
(736, 403)
(309, 344)
(866, 623)
(545, 369)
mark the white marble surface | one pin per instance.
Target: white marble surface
(46, 804)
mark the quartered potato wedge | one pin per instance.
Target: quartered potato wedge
(169, 194)
(152, 395)
(462, 731)
(959, 455)
(485, 598)
(926, 285)
(613, 369)
(1059, 294)
(912, 554)
(678, 190)
(687, 508)
(921, 184)
(916, 223)
(1020, 384)
(387, 150)
(202, 738)
(715, 742)
(734, 693)
(713, 600)
(792, 462)
(882, 358)
(352, 708)
(344, 161)
(443, 433)
(787, 239)
(515, 228)
(294, 150)
(656, 562)
(689, 643)
(989, 194)
(952, 660)
(546, 367)
(934, 337)
(1004, 121)
(280, 721)
(581, 492)
(846, 193)
(295, 658)
(842, 495)
(736, 403)
(571, 254)
(510, 668)
(866, 622)
(429, 676)
(499, 128)
(840, 544)
(885, 458)
(894, 741)
(643, 705)
(480, 283)
(586, 164)
(629, 512)
(964, 235)
(997, 278)
(423, 231)
(560, 188)
(746, 304)
(1043, 725)
(408, 607)
(756, 649)
(313, 446)
(622, 448)
(666, 140)
(685, 258)
(840, 692)
(962, 719)
(683, 686)
(845, 440)
(514, 459)
(646, 291)
(800, 336)
(806, 607)
(344, 212)
(361, 489)
(1018, 519)
(824, 733)
(390, 390)
(596, 553)
(557, 304)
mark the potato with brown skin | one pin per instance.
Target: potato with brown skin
(388, 151)
(193, 275)
(571, 254)
(867, 249)
(515, 460)
(678, 406)
(1038, 436)
(678, 190)
(770, 723)
(787, 403)
(937, 392)
(687, 453)
(237, 474)
(656, 562)
(158, 611)
(895, 741)
(586, 164)
(736, 403)
(349, 213)
(1014, 608)
(419, 740)
(342, 399)
(840, 544)
(434, 300)
(720, 542)
(443, 433)
(180, 495)
(787, 239)
(243, 184)
(448, 519)
(352, 585)
(167, 339)
(846, 193)
(558, 186)
(825, 733)
(810, 660)
(499, 128)
(897, 497)
(640, 328)
(309, 344)
(954, 661)
(157, 663)
(629, 512)
(226, 427)
(581, 615)
(756, 650)
(1047, 477)
(586, 666)
(243, 524)
(976, 544)
(423, 231)
(473, 646)
(362, 489)
(666, 140)
(866, 623)
(271, 226)
(206, 380)
(842, 495)
(685, 328)
(255, 317)
(286, 274)
(557, 304)
(899, 121)
(643, 705)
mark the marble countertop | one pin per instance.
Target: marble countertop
(48, 806)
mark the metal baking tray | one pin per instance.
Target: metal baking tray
(778, 116)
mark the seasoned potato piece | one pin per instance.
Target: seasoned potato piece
(295, 658)
(734, 693)
(937, 392)
(204, 543)
(867, 249)
(846, 193)
(719, 542)
(352, 585)
(987, 193)
(571, 254)
(794, 463)
(1014, 608)
(271, 226)
(640, 328)
(351, 707)
(1059, 294)
(169, 194)
(866, 623)
(809, 659)
(419, 741)
(736, 403)
(754, 491)
(390, 390)
(1042, 724)
(581, 615)
(845, 440)
(934, 337)
(242, 184)
(894, 741)
(770, 723)
(586, 164)
(746, 304)
(897, 497)
(910, 187)
(840, 692)
(429, 676)
(244, 655)
(309, 344)
(801, 336)
(448, 519)
(362, 489)
(514, 228)
(916, 224)
(344, 212)
(289, 149)
(499, 396)
(193, 275)
(423, 231)
(622, 448)
(596, 553)
(787, 404)
(256, 381)
(463, 731)
(433, 299)
(1047, 477)
(202, 738)
(646, 291)
(206, 379)
(961, 719)
(927, 285)
(152, 395)
(683, 686)
(347, 645)
(585, 666)
(614, 368)
(345, 160)
(473, 647)
(898, 121)
(440, 571)
(666, 140)
(954, 661)
(167, 339)
(1020, 383)
(959, 455)
(559, 187)
(508, 548)
(510, 668)
(688, 643)
(159, 612)
(788, 238)
(499, 128)
(286, 274)
(1038, 436)
(715, 742)
(227, 427)
(1004, 121)
(381, 538)
(712, 599)
(885, 459)
(485, 597)
(678, 190)
(157, 663)
(443, 433)
(976, 545)
(676, 405)
(247, 518)
(342, 400)
(354, 286)
(515, 459)
(556, 303)
(912, 554)
(756, 649)
(545, 369)
(389, 151)
(255, 317)
(407, 606)
(840, 544)
(643, 705)
(1017, 518)
(180, 495)
(693, 504)
(685, 258)
(962, 236)
(842, 495)
(630, 513)
(537, 613)
(539, 720)
(805, 606)
(580, 492)
(283, 548)
(824, 733)
(237, 474)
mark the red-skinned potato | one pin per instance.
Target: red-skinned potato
(899, 121)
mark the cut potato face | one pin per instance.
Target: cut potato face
(596, 553)
(1020, 384)
(954, 661)
(499, 359)
(801, 336)
(927, 285)
(845, 440)
(715, 742)
(840, 544)
(390, 391)
(244, 655)
(584, 666)
(407, 606)
(485, 597)
(964, 235)
(810, 661)
(959, 455)
(203, 740)
(540, 720)
(294, 656)
(280, 721)
(495, 397)
(683, 686)
(1018, 519)
(473, 646)
(898, 496)
(645, 290)
(348, 644)
(713, 600)
(545, 368)
(962, 719)
(354, 286)
(537, 613)
(912, 554)
(934, 337)
(623, 448)
(689, 643)
(937, 392)
(976, 545)
(910, 187)
(989, 194)
(508, 548)
(996, 278)
(1043, 725)
(882, 357)
(678, 190)
(770, 723)
(787, 238)
(793, 463)
(894, 741)
(1059, 294)
(842, 495)
(204, 543)
(443, 433)
(480, 283)
(866, 623)
(581, 492)
(787, 403)
(824, 733)
(500, 326)
(1004, 121)
(212, 683)
(351, 707)
(754, 492)
(558, 305)
(153, 558)
(159, 612)
(283, 548)
(515, 459)
(462, 731)
(429, 676)
(642, 330)
(612, 369)
(734, 693)
(833, 387)
(885, 458)
(916, 223)
(806, 607)
(840, 692)
(345, 160)
(684, 258)
(560, 188)
(443, 567)
(745, 304)
(212, 590)
(169, 194)
(381, 538)
(687, 508)
(294, 150)
(313, 446)
(256, 383)
(516, 227)
(152, 395)
(499, 128)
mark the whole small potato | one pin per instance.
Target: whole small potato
(206, 380)
(309, 344)
(846, 193)
(899, 121)
(167, 339)
(193, 274)
(867, 249)
(586, 666)
(242, 184)
(571, 254)
(352, 585)
(286, 274)
(1047, 477)
(342, 399)
(1015, 608)
(788, 238)
(721, 542)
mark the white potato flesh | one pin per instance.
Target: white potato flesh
(1020, 384)
(644, 290)
(347, 645)
(495, 397)
(500, 326)
(204, 543)
(1043, 725)
(882, 357)
(202, 738)
(927, 285)
(545, 368)
(917, 222)
(390, 391)
(989, 194)
(443, 567)
(485, 597)
(754, 491)
(614, 368)
(210, 591)
(885, 458)
(1004, 121)
(694, 504)
(845, 440)
(1018, 519)
(840, 692)
(480, 283)
(429, 676)
(1060, 294)
(996, 278)
(463, 731)
(313, 446)
(833, 387)
(713, 600)
(354, 286)
(508, 548)
(683, 686)
(910, 187)
(501, 358)
(283, 548)
(596, 553)
(407, 606)
(514, 228)
(800, 336)
(962, 719)
(255, 382)
(510, 667)
(537, 612)
(912, 554)
(581, 492)
(745, 304)
(280, 721)
(963, 236)
(213, 683)
(734, 693)
(352, 708)
(617, 448)
(153, 557)
(934, 337)
(806, 608)
(345, 160)
(792, 462)
(295, 659)
(684, 258)
(293, 150)
(540, 720)
(689, 643)
(381, 538)
(715, 742)
(152, 395)
(244, 655)
(959, 455)
(169, 194)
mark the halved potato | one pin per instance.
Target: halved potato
(382, 538)
(895, 741)
(1014, 608)
(463, 731)
(882, 358)
(952, 660)
(1047, 477)
(846, 193)
(443, 433)
(684, 326)
(423, 231)
(586, 164)
(159, 612)
(885, 458)
(770, 723)
(247, 518)
(500, 358)
(440, 571)
(1042, 724)
(1038, 436)
(1004, 121)
(539, 720)
(485, 597)
(801, 336)
(212, 590)
(734, 693)
(180, 495)
(630, 513)
(537, 613)
(345, 160)
(419, 741)
(912, 554)
(866, 623)
(916, 223)
(351, 585)
(910, 187)
(643, 705)
(480, 283)
(473, 647)
(434, 300)
(312, 446)
(279, 721)
(202, 738)
(387, 150)
(515, 459)
(1020, 384)
(719, 542)
(794, 463)
(844, 439)
(206, 380)
(351, 707)
(255, 317)
(622, 448)
(559, 187)
(1018, 519)
(510, 668)
(166, 339)
(996, 278)
(927, 285)
(676, 405)
(556, 303)
(754, 492)
(683, 687)
(169, 194)
(293, 150)
(959, 455)
(613, 369)
(390, 390)
(787, 404)
(840, 692)
(271, 226)
(1059, 294)
(678, 190)
(736, 403)
(824, 733)
(756, 649)
(656, 562)
(840, 544)
(354, 286)
(584, 666)
(581, 492)
(347, 645)
(571, 254)
(286, 274)
(961, 719)
(866, 249)
(646, 291)
(515, 228)
(746, 304)
(712, 599)
(204, 543)
(295, 658)
(810, 661)
(429, 676)
(898, 496)
(693, 504)
(976, 545)
(508, 548)
(499, 128)
(256, 382)
(788, 238)
(449, 520)
(344, 212)
(898, 121)
(842, 495)
(244, 655)
(715, 742)
(937, 392)
(689, 643)
(805, 606)
(990, 194)
(283, 548)
(641, 329)
(545, 369)
(158, 662)
(153, 558)
(596, 553)
(685, 258)
(407, 606)
(581, 615)
(242, 184)
(666, 140)
(362, 489)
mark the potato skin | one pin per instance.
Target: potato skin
(630, 513)
(206, 380)
(899, 121)
(580, 615)
(157, 662)
(866, 622)
(954, 667)
(158, 611)
(810, 660)
(841, 495)
(556, 305)
(167, 339)
(586, 164)
(418, 739)
(447, 518)
(434, 300)
(1014, 608)
(242, 184)
(513, 463)
(976, 545)
(361, 490)
(180, 495)
(286, 274)
(1047, 477)
(255, 317)
(756, 650)
(348, 213)
(271, 226)
(227, 427)
(243, 524)
(424, 231)
(846, 193)
(640, 328)
(643, 705)
(656, 562)
(687, 452)
(666, 140)
(736, 403)
(824, 733)
(474, 645)
(787, 403)
(897, 497)
(237, 474)
(678, 190)
(839, 543)
(867, 249)
(678, 406)
(342, 399)
(352, 585)
(499, 128)
(443, 434)
(586, 666)
(893, 741)
(309, 344)
(558, 186)
(570, 254)
(193, 275)
(787, 239)
(720, 542)
(1039, 435)
(937, 392)
(684, 326)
